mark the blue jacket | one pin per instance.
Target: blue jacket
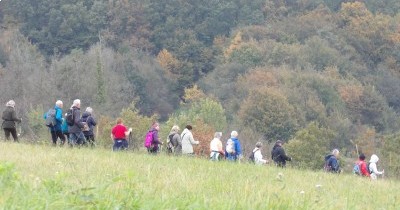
(59, 120)
(332, 163)
(238, 150)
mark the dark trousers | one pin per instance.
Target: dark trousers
(57, 134)
(12, 131)
(120, 144)
(90, 140)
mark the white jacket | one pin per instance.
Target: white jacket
(373, 168)
(258, 157)
(187, 141)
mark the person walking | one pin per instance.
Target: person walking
(9, 119)
(332, 162)
(233, 149)
(76, 136)
(362, 166)
(89, 124)
(373, 168)
(278, 154)
(174, 141)
(56, 129)
(155, 141)
(216, 150)
(188, 141)
(119, 134)
(258, 157)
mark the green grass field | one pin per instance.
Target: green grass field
(44, 177)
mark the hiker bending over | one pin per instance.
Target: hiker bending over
(216, 150)
(278, 154)
(332, 163)
(119, 134)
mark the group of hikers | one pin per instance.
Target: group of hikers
(78, 130)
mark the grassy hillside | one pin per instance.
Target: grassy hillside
(41, 177)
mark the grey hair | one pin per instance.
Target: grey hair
(76, 102)
(234, 134)
(259, 144)
(175, 129)
(10, 103)
(59, 102)
(335, 151)
(218, 135)
(89, 109)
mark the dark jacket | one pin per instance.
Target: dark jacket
(77, 127)
(9, 118)
(279, 156)
(332, 164)
(91, 122)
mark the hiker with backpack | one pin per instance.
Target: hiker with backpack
(361, 168)
(278, 154)
(332, 162)
(216, 150)
(233, 150)
(88, 124)
(174, 142)
(54, 121)
(9, 121)
(256, 157)
(373, 168)
(152, 141)
(188, 141)
(75, 125)
(119, 135)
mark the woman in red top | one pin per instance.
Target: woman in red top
(363, 165)
(119, 134)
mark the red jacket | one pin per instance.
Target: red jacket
(363, 168)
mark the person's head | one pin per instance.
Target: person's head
(374, 158)
(362, 156)
(89, 109)
(175, 129)
(59, 103)
(119, 121)
(259, 144)
(11, 103)
(335, 152)
(77, 103)
(279, 142)
(234, 134)
(189, 127)
(218, 135)
(155, 125)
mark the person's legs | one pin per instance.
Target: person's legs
(7, 133)
(54, 137)
(60, 135)
(14, 134)
(73, 138)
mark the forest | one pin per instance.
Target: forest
(318, 74)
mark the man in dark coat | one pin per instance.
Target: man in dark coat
(278, 154)
(76, 136)
(9, 118)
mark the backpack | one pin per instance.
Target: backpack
(51, 118)
(368, 169)
(357, 169)
(230, 146)
(69, 117)
(85, 125)
(148, 141)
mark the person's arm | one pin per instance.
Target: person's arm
(374, 169)
(156, 139)
(334, 164)
(178, 139)
(238, 148)
(191, 139)
(283, 155)
(77, 118)
(127, 132)
(258, 157)
(112, 133)
(92, 121)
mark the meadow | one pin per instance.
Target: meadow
(45, 177)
